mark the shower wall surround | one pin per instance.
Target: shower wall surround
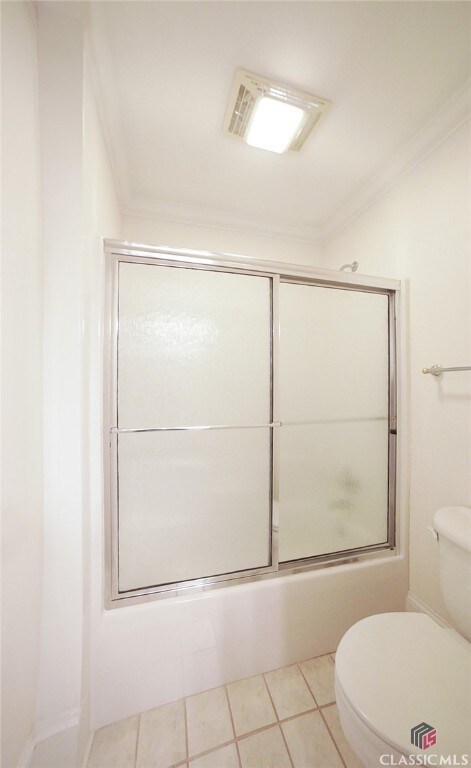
(250, 420)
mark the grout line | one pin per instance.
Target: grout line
(207, 752)
(256, 731)
(137, 739)
(233, 725)
(289, 717)
(300, 714)
(271, 697)
(230, 711)
(284, 720)
(185, 715)
(332, 737)
(272, 725)
(309, 687)
(238, 753)
(286, 745)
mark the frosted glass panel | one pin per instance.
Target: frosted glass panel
(194, 347)
(334, 353)
(192, 505)
(333, 488)
(334, 409)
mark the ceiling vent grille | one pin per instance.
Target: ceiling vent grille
(241, 113)
(248, 88)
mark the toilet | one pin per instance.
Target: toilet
(402, 680)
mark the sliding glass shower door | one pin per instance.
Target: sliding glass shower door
(193, 416)
(334, 368)
(250, 421)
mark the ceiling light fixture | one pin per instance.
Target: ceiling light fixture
(269, 115)
(274, 124)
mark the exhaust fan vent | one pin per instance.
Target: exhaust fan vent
(247, 91)
(241, 112)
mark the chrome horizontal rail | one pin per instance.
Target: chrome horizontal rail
(437, 370)
(118, 431)
(346, 420)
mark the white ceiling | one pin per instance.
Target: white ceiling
(166, 68)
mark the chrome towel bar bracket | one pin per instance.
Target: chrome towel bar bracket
(437, 370)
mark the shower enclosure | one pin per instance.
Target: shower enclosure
(250, 419)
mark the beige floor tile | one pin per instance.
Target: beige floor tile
(208, 721)
(319, 674)
(162, 740)
(219, 758)
(289, 691)
(333, 721)
(114, 746)
(250, 704)
(309, 742)
(264, 750)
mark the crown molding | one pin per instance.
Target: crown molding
(443, 124)
(452, 115)
(200, 216)
(449, 119)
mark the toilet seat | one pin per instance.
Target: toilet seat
(397, 670)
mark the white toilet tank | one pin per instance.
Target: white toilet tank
(453, 526)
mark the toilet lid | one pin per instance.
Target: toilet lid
(401, 670)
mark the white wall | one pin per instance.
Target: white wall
(421, 230)
(58, 204)
(60, 109)
(80, 209)
(21, 380)
(143, 229)
(102, 219)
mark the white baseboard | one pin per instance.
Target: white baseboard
(87, 751)
(58, 751)
(48, 727)
(27, 753)
(415, 605)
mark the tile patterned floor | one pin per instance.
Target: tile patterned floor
(286, 718)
